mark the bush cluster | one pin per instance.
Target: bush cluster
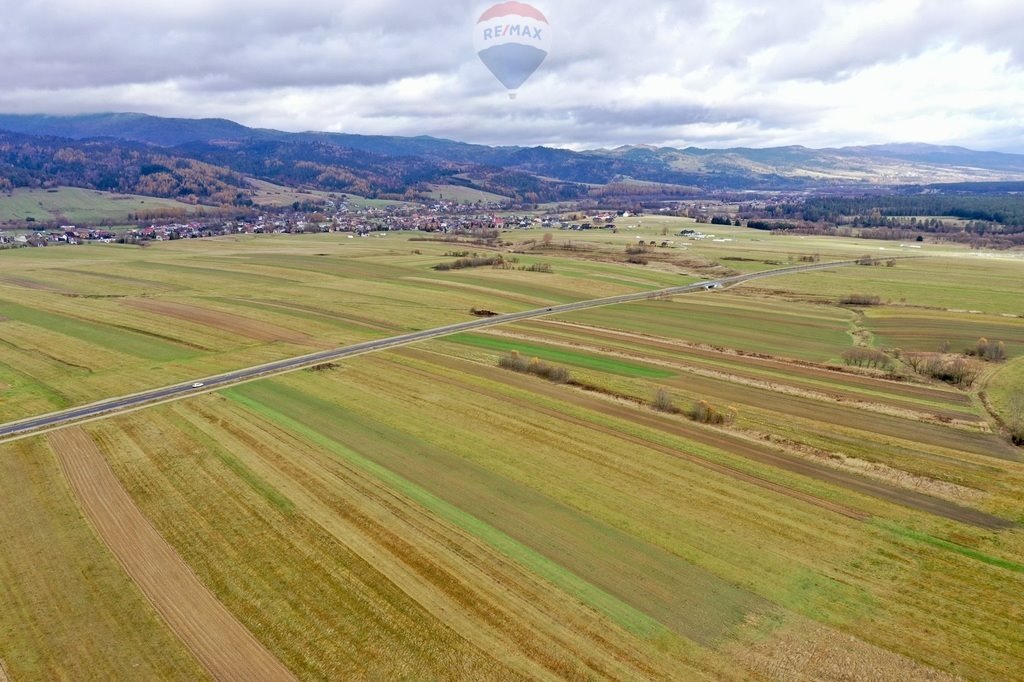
(992, 352)
(517, 363)
(471, 262)
(706, 413)
(861, 299)
(867, 357)
(953, 369)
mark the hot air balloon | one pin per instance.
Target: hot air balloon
(512, 40)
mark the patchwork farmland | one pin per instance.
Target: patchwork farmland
(427, 513)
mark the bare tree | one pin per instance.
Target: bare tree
(663, 401)
(1015, 415)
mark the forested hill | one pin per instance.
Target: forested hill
(111, 165)
(215, 173)
(206, 160)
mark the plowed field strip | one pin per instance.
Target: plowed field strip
(733, 445)
(233, 324)
(222, 644)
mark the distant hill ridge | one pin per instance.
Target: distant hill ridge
(374, 163)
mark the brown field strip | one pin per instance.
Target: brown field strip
(228, 322)
(225, 647)
(731, 444)
(812, 653)
(28, 284)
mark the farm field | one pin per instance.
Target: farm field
(463, 195)
(424, 513)
(80, 324)
(928, 330)
(74, 205)
(269, 194)
(1005, 390)
(989, 285)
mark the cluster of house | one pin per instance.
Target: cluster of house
(440, 217)
(66, 234)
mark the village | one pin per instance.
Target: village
(356, 221)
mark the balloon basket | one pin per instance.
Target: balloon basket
(511, 95)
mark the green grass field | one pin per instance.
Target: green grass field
(463, 195)
(70, 205)
(727, 320)
(1005, 388)
(423, 513)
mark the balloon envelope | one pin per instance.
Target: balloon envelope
(512, 40)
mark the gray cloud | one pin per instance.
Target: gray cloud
(729, 72)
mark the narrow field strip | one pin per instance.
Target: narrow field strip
(735, 445)
(591, 359)
(226, 648)
(228, 322)
(724, 376)
(622, 613)
(731, 472)
(810, 375)
(457, 584)
(69, 611)
(77, 331)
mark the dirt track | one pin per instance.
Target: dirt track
(218, 640)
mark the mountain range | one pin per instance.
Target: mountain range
(209, 160)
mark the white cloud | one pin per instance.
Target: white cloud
(731, 72)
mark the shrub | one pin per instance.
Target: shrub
(513, 361)
(992, 352)
(861, 299)
(663, 401)
(559, 375)
(706, 413)
(472, 262)
(1015, 421)
(517, 363)
(867, 357)
(953, 369)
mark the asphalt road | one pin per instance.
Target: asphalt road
(179, 391)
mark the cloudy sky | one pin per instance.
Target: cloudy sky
(688, 72)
